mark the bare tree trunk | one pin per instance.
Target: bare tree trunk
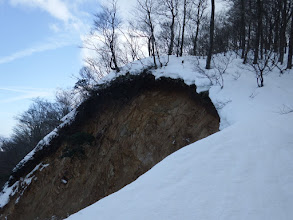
(283, 32)
(258, 32)
(153, 50)
(112, 44)
(152, 38)
(248, 44)
(249, 34)
(270, 37)
(261, 42)
(290, 53)
(183, 28)
(200, 10)
(178, 41)
(212, 26)
(277, 26)
(195, 40)
(170, 50)
(242, 28)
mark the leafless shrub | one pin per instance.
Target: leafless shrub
(285, 109)
(263, 66)
(236, 75)
(203, 72)
(221, 64)
(253, 95)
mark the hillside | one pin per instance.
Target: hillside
(242, 172)
(129, 125)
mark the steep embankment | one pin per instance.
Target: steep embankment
(122, 131)
(245, 171)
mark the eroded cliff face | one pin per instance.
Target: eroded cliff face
(118, 136)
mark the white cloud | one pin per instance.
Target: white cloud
(56, 8)
(126, 8)
(67, 12)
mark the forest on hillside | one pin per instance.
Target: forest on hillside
(258, 31)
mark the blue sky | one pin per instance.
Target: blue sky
(40, 51)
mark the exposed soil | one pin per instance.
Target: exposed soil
(118, 135)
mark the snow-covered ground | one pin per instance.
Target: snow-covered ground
(245, 171)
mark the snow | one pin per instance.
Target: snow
(64, 181)
(245, 171)
(19, 186)
(45, 142)
(6, 193)
(242, 172)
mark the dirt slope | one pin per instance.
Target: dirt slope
(121, 132)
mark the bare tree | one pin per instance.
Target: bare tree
(146, 12)
(66, 100)
(200, 6)
(104, 40)
(132, 46)
(221, 63)
(169, 9)
(33, 124)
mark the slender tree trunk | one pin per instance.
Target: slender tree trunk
(183, 29)
(258, 32)
(195, 40)
(212, 26)
(277, 26)
(112, 45)
(116, 67)
(153, 50)
(149, 47)
(170, 50)
(248, 44)
(290, 53)
(152, 38)
(261, 41)
(270, 37)
(243, 28)
(197, 29)
(178, 41)
(283, 32)
(249, 34)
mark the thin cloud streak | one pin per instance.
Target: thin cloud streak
(30, 51)
(25, 93)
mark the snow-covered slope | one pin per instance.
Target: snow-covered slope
(245, 171)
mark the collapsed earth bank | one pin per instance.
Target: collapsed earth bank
(119, 133)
